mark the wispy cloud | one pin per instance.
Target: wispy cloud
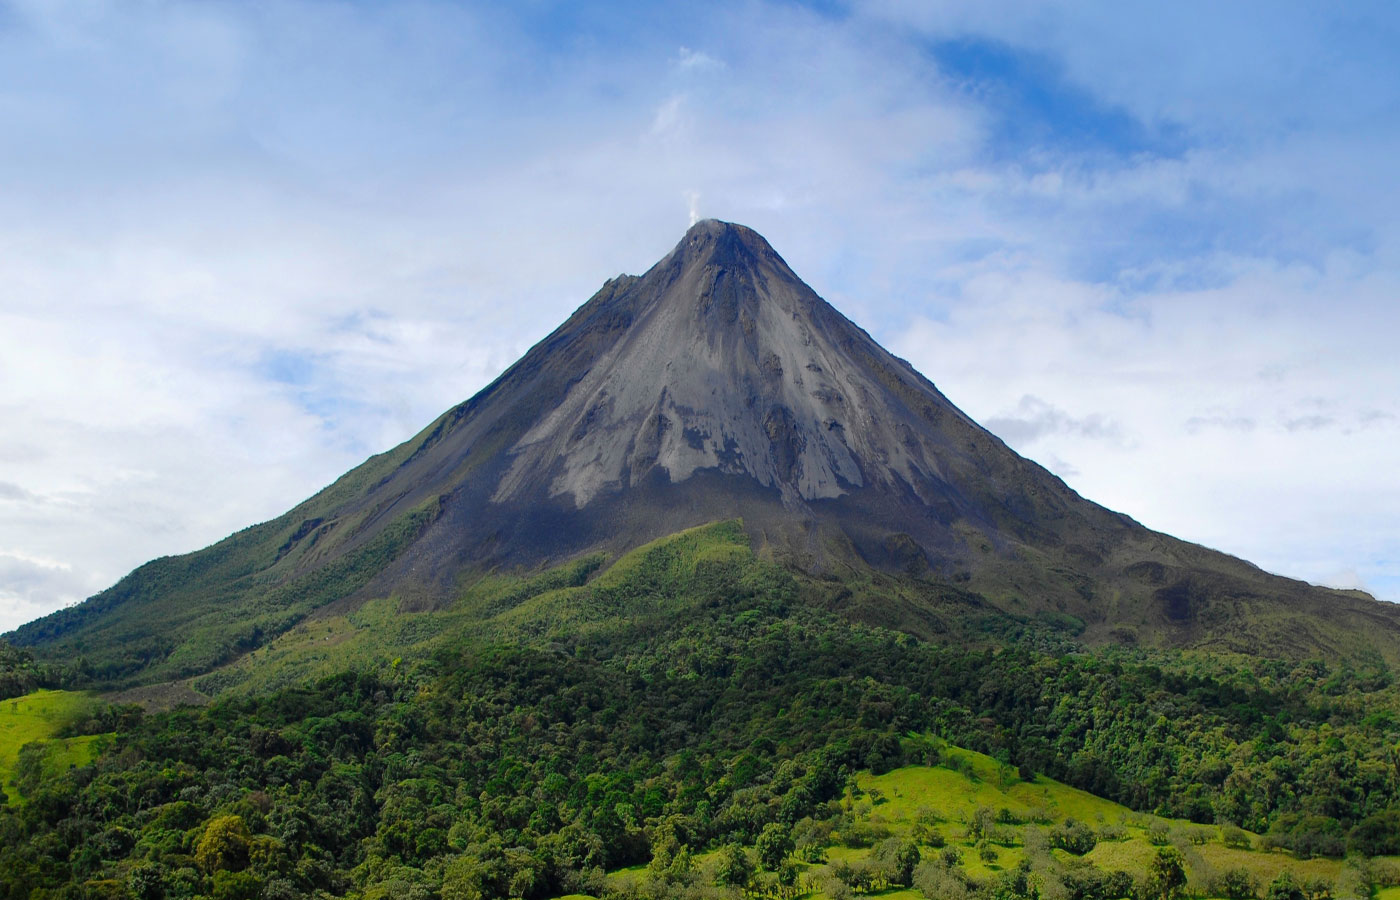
(1228, 422)
(14, 492)
(1034, 418)
(688, 60)
(30, 586)
(1309, 423)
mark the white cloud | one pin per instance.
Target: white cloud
(243, 247)
(1275, 468)
(1347, 579)
(688, 59)
(1034, 418)
(30, 586)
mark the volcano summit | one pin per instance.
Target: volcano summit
(715, 386)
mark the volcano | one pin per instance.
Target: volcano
(715, 386)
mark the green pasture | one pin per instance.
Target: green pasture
(40, 716)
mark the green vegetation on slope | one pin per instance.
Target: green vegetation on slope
(969, 827)
(184, 615)
(30, 742)
(20, 673)
(671, 711)
(637, 591)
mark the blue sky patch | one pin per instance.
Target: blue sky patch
(287, 367)
(1035, 109)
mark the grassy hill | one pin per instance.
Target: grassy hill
(34, 721)
(976, 824)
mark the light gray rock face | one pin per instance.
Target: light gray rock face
(731, 363)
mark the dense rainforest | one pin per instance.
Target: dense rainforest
(20, 673)
(734, 719)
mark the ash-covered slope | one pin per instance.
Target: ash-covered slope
(731, 363)
(717, 385)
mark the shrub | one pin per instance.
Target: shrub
(1285, 887)
(1238, 884)
(863, 834)
(1234, 837)
(936, 880)
(1074, 837)
(929, 836)
(224, 845)
(1317, 888)
(1377, 835)
(1166, 875)
(773, 845)
(896, 860)
(735, 868)
(1112, 831)
(146, 882)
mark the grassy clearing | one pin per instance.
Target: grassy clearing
(937, 804)
(953, 794)
(38, 717)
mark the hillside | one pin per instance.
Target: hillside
(31, 741)
(977, 827)
(683, 702)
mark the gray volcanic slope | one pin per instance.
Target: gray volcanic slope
(718, 385)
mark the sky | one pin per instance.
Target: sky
(243, 246)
